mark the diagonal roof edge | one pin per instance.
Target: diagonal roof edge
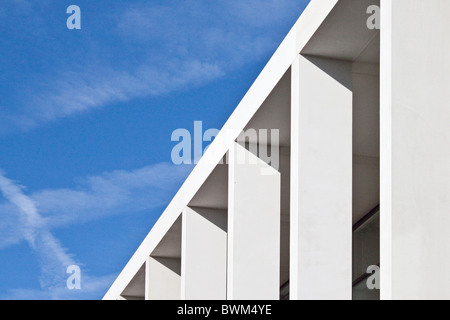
(303, 30)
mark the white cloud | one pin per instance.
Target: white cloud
(92, 288)
(157, 49)
(32, 217)
(113, 193)
(229, 33)
(51, 255)
(71, 92)
(11, 230)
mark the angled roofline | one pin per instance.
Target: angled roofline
(303, 30)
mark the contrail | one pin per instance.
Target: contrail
(52, 257)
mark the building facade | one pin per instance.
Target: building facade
(353, 201)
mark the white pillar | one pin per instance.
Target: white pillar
(253, 228)
(204, 254)
(162, 279)
(415, 149)
(321, 180)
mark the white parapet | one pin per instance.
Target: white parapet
(321, 179)
(253, 227)
(204, 254)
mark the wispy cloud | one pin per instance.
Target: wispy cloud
(51, 255)
(113, 193)
(229, 33)
(157, 49)
(72, 93)
(32, 217)
(92, 288)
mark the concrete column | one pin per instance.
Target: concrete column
(321, 179)
(415, 149)
(204, 254)
(162, 279)
(253, 227)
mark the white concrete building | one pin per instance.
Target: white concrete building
(363, 178)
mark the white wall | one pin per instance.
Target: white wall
(204, 254)
(162, 279)
(321, 179)
(415, 149)
(253, 228)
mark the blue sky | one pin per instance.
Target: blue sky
(86, 118)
